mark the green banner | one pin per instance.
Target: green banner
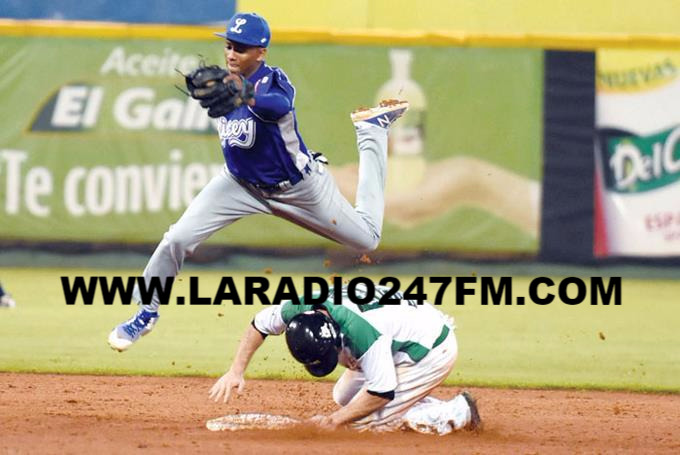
(98, 145)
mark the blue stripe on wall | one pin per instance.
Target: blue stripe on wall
(143, 11)
(568, 163)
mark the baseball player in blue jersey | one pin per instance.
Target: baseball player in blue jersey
(269, 169)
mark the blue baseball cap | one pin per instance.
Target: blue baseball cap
(249, 29)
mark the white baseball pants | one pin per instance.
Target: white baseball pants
(414, 383)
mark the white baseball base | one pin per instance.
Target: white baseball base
(251, 421)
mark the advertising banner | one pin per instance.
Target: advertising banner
(637, 154)
(98, 144)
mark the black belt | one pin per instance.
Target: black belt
(273, 188)
(280, 186)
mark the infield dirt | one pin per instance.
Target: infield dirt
(48, 413)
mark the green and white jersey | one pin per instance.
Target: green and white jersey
(378, 337)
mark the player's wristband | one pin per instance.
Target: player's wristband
(386, 395)
(264, 335)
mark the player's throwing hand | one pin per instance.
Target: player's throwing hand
(224, 386)
(323, 422)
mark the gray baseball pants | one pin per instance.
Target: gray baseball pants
(314, 203)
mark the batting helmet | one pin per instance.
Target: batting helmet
(314, 340)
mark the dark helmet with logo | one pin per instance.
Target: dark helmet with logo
(313, 338)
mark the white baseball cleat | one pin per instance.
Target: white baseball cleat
(382, 115)
(6, 301)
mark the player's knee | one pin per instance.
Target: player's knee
(374, 244)
(369, 245)
(177, 243)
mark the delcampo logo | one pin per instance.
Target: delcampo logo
(635, 164)
(78, 107)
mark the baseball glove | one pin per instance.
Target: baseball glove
(217, 90)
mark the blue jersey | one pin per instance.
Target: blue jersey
(261, 144)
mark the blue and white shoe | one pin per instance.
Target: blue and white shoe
(383, 115)
(125, 334)
(6, 301)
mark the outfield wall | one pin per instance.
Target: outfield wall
(578, 17)
(101, 147)
(106, 150)
(155, 11)
(532, 17)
